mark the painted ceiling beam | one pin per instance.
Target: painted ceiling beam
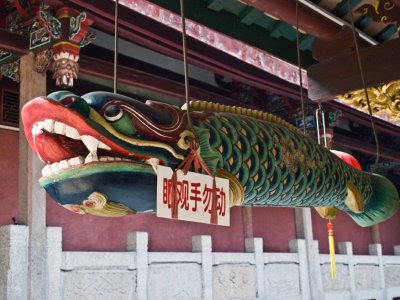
(313, 19)
(207, 37)
(341, 74)
(12, 42)
(309, 21)
(364, 147)
(146, 28)
(130, 76)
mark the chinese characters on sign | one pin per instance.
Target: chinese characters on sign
(194, 197)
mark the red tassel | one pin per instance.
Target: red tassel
(331, 249)
(174, 195)
(214, 215)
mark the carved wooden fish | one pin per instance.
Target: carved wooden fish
(100, 150)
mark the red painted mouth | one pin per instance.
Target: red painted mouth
(63, 138)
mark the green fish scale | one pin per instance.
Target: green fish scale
(279, 166)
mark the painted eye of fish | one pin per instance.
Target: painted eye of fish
(113, 113)
(119, 120)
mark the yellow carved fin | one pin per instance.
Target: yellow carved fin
(236, 192)
(97, 204)
(354, 200)
(327, 212)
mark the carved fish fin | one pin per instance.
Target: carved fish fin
(354, 200)
(236, 192)
(327, 212)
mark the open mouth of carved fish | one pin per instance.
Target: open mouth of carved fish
(88, 157)
(65, 139)
(61, 147)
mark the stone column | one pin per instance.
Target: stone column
(203, 244)
(13, 262)
(255, 245)
(304, 231)
(299, 247)
(138, 241)
(346, 248)
(32, 198)
(54, 261)
(376, 249)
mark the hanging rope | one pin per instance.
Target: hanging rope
(115, 46)
(193, 157)
(299, 66)
(186, 67)
(363, 82)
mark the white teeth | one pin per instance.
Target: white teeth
(91, 157)
(54, 168)
(90, 142)
(64, 164)
(103, 146)
(46, 171)
(72, 133)
(37, 128)
(76, 161)
(59, 128)
(48, 125)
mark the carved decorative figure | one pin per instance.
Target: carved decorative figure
(384, 99)
(11, 70)
(111, 145)
(70, 31)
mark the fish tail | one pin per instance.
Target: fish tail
(383, 204)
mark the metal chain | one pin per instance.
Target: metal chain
(319, 112)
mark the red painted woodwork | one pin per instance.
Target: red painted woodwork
(8, 176)
(309, 20)
(341, 74)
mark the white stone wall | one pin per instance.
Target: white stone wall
(200, 274)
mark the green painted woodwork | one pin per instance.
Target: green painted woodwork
(226, 17)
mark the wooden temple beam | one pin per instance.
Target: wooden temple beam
(141, 30)
(341, 74)
(12, 42)
(309, 20)
(364, 147)
(159, 29)
(105, 70)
